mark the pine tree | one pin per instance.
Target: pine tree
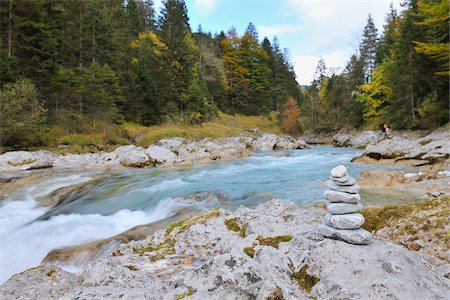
(368, 48)
(175, 33)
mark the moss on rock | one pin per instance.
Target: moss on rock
(233, 225)
(277, 294)
(304, 280)
(274, 241)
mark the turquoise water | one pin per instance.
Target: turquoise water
(122, 199)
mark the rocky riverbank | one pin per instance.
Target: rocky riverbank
(165, 151)
(273, 251)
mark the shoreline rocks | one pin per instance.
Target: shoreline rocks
(163, 152)
(343, 222)
(251, 253)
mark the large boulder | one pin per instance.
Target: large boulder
(160, 155)
(266, 142)
(394, 147)
(342, 139)
(24, 160)
(132, 156)
(360, 141)
(364, 138)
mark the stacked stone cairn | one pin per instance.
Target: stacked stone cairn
(343, 221)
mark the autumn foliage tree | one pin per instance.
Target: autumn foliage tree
(291, 122)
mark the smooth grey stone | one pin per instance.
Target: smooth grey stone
(335, 196)
(351, 236)
(350, 181)
(339, 171)
(352, 189)
(348, 221)
(340, 179)
(343, 208)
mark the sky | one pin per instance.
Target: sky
(310, 29)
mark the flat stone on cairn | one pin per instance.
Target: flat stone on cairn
(343, 222)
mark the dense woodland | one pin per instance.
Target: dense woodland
(84, 66)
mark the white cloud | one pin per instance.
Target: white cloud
(205, 6)
(305, 65)
(330, 29)
(271, 31)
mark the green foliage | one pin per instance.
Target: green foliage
(431, 112)
(199, 102)
(20, 112)
(434, 16)
(375, 94)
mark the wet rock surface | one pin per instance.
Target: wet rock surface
(273, 249)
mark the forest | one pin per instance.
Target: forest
(84, 66)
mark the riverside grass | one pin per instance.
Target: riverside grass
(223, 125)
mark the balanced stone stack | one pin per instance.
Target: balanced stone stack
(343, 221)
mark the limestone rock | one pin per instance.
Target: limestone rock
(343, 208)
(266, 142)
(347, 221)
(340, 179)
(43, 282)
(339, 171)
(342, 139)
(24, 160)
(132, 156)
(353, 189)
(160, 155)
(336, 196)
(208, 259)
(353, 236)
(348, 182)
(172, 144)
(365, 138)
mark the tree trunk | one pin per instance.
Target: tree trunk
(81, 38)
(411, 79)
(93, 42)
(10, 28)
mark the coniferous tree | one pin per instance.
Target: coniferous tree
(174, 30)
(368, 48)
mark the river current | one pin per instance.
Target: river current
(108, 203)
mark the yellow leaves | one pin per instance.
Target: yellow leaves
(149, 42)
(435, 17)
(375, 94)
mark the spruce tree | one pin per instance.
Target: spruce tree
(368, 48)
(174, 30)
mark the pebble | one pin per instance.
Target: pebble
(343, 208)
(353, 236)
(353, 189)
(348, 221)
(335, 196)
(339, 171)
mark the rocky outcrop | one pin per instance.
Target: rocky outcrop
(429, 149)
(272, 251)
(24, 160)
(360, 141)
(165, 151)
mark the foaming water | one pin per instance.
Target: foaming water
(132, 197)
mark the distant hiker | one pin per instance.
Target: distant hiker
(385, 129)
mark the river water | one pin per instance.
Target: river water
(112, 202)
